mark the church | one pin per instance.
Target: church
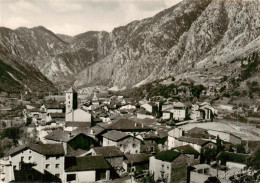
(73, 113)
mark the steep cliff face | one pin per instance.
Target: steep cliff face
(58, 57)
(188, 35)
(191, 34)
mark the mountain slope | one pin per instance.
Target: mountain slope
(189, 35)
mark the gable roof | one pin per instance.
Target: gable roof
(197, 130)
(193, 140)
(86, 163)
(187, 149)
(137, 158)
(108, 151)
(127, 124)
(63, 136)
(115, 135)
(168, 155)
(44, 149)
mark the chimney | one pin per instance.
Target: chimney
(142, 125)
(92, 131)
(135, 124)
(156, 132)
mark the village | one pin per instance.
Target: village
(110, 138)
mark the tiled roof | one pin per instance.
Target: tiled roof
(44, 149)
(197, 130)
(108, 151)
(86, 163)
(168, 155)
(63, 136)
(193, 140)
(137, 158)
(115, 135)
(127, 124)
(187, 149)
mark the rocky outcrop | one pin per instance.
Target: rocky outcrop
(191, 34)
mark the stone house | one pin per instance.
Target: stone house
(112, 154)
(136, 162)
(37, 162)
(169, 166)
(86, 169)
(126, 143)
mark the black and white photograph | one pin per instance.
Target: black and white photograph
(130, 91)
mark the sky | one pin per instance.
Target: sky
(72, 17)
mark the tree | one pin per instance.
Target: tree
(241, 149)
(254, 161)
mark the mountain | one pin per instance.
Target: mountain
(58, 57)
(192, 35)
(17, 76)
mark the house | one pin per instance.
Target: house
(112, 154)
(196, 112)
(169, 166)
(196, 143)
(177, 111)
(172, 135)
(142, 114)
(125, 142)
(86, 169)
(136, 162)
(149, 107)
(37, 162)
(128, 126)
(54, 108)
(201, 133)
(57, 117)
(73, 140)
(226, 136)
(192, 154)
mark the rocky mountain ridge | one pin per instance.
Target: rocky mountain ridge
(192, 34)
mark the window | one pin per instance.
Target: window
(57, 175)
(22, 158)
(133, 145)
(71, 177)
(14, 167)
(136, 151)
(47, 166)
(30, 177)
(30, 158)
(30, 151)
(57, 166)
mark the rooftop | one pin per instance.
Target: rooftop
(108, 151)
(127, 124)
(193, 140)
(44, 149)
(86, 163)
(187, 149)
(137, 158)
(168, 155)
(115, 135)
